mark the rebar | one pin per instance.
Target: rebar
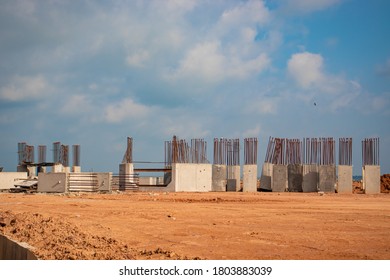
(250, 150)
(64, 155)
(178, 151)
(345, 151)
(128, 156)
(370, 151)
(41, 153)
(76, 155)
(56, 152)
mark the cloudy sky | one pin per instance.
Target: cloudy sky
(94, 72)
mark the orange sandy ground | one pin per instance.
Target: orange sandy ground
(199, 225)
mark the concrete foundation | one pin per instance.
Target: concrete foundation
(295, 177)
(126, 172)
(371, 179)
(66, 169)
(266, 177)
(12, 250)
(344, 179)
(310, 178)
(279, 178)
(104, 181)
(326, 178)
(250, 178)
(53, 182)
(234, 177)
(219, 178)
(191, 177)
(76, 169)
(7, 179)
(57, 168)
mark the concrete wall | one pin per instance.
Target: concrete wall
(233, 183)
(12, 250)
(279, 178)
(344, 179)
(295, 177)
(326, 178)
(310, 178)
(7, 179)
(266, 176)
(250, 178)
(53, 182)
(219, 178)
(189, 177)
(371, 179)
(104, 180)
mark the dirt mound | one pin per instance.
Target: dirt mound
(53, 238)
(385, 183)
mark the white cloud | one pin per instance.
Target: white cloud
(250, 13)
(252, 132)
(25, 88)
(125, 109)
(77, 104)
(138, 59)
(306, 6)
(306, 69)
(206, 61)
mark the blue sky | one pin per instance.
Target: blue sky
(94, 72)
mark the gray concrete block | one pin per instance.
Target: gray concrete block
(279, 178)
(371, 179)
(310, 178)
(344, 179)
(295, 177)
(219, 178)
(266, 177)
(234, 173)
(326, 178)
(12, 250)
(250, 178)
(104, 181)
(53, 182)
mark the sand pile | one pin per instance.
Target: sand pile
(385, 183)
(53, 238)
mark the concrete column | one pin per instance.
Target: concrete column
(31, 171)
(250, 178)
(295, 177)
(371, 179)
(76, 169)
(344, 180)
(279, 178)
(219, 178)
(234, 178)
(326, 178)
(266, 177)
(126, 170)
(42, 169)
(57, 167)
(310, 178)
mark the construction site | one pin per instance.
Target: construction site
(301, 203)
